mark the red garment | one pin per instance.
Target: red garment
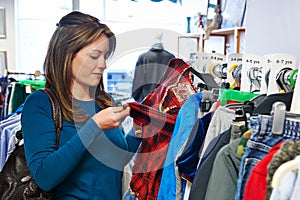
(154, 119)
(256, 186)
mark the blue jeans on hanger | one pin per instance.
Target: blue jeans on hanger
(260, 143)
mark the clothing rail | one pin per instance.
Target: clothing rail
(37, 73)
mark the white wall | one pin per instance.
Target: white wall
(273, 27)
(9, 43)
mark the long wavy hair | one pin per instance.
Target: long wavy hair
(74, 31)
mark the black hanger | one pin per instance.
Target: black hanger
(281, 79)
(207, 78)
(265, 105)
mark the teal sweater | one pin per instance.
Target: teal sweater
(89, 161)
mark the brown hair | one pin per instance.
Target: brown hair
(74, 31)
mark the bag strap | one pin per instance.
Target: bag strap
(56, 112)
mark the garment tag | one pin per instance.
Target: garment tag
(182, 91)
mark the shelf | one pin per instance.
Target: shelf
(227, 31)
(235, 31)
(216, 32)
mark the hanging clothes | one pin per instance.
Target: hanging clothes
(13, 95)
(184, 125)
(265, 105)
(220, 122)
(288, 151)
(256, 186)
(8, 128)
(223, 176)
(16, 99)
(259, 145)
(204, 170)
(288, 180)
(154, 118)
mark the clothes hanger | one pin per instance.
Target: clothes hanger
(264, 107)
(279, 114)
(234, 106)
(283, 79)
(293, 77)
(219, 70)
(206, 78)
(279, 110)
(257, 99)
(254, 74)
(236, 71)
(282, 170)
(241, 111)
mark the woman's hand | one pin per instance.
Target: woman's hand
(111, 117)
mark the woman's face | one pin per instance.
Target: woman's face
(89, 64)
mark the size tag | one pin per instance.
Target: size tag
(233, 60)
(250, 62)
(215, 59)
(266, 64)
(278, 62)
(200, 61)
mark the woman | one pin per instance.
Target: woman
(92, 148)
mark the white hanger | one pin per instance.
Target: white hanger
(282, 170)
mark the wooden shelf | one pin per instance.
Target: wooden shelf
(235, 31)
(227, 31)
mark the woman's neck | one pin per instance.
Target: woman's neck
(81, 94)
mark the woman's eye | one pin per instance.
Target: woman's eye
(94, 57)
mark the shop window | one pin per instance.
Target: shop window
(35, 22)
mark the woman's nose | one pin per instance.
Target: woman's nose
(102, 64)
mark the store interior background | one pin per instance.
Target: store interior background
(271, 27)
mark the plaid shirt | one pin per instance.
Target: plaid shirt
(154, 119)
